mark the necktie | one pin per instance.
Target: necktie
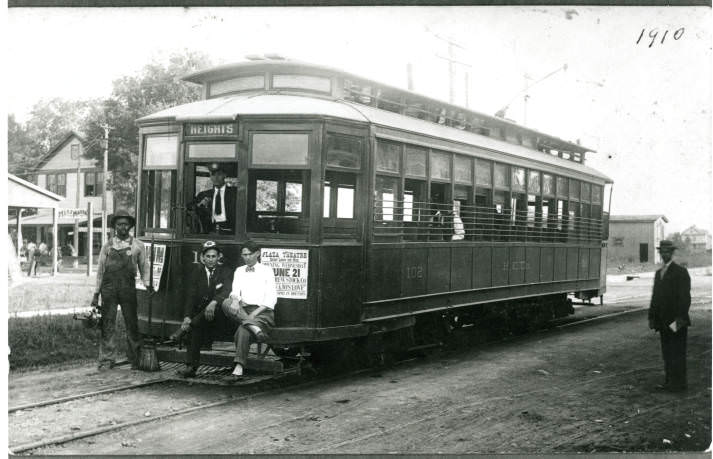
(211, 273)
(250, 269)
(218, 202)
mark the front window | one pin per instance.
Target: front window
(213, 202)
(278, 201)
(158, 181)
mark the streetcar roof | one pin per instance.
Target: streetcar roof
(278, 64)
(229, 108)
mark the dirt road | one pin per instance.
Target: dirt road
(583, 388)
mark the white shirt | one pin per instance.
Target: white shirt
(221, 216)
(255, 287)
(665, 267)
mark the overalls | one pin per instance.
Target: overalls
(119, 287)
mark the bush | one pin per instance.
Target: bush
(53, 339)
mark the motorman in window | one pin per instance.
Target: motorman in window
(216, 206)
(251, 305)
(207, 286)
(668, 315)
(119, 259)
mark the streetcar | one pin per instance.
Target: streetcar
(388, 217)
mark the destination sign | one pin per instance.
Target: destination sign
(218, 129)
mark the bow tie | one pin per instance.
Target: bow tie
(250, 269)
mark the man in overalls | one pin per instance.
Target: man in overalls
(118, 260)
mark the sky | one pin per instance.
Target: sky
(646, 110)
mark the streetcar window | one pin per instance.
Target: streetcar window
(387, 192)
(344, 151)
(562, 189)
(280, 149)
(532, 212)
(463, 208)
(277, 201)
(415, 209)
(483, 213)
(548, 185)
(463, 170)
(415, 161)
(502, 178)
(159, 186)
(245, 83)
(533, 182)
(483, 175)
(339, 195)
(573, 189)
(596, 194)
(518, 179)
(388, 156)
(586, 192)
(211, 150)
(212, 188)
(161, 151)
(518, 215)
(440, 165)
(501, 204)
(309, 82)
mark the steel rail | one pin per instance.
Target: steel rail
(68, 398)
(94, 432)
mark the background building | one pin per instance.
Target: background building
(634, 238)
(66, 172)
(699, 239)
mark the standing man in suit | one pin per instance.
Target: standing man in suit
(668, 315)
(207, 286)
(216, 206)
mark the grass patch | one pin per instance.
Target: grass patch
(53, 339)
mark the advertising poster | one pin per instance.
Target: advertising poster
(291, 268)
(159, 256)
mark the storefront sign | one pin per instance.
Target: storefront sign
(159, 256)
(72, 213)
(214, 129)
(291, 268)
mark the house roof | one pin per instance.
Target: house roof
(21, 193)
(693, 230)
(54, 150)
(636, 218)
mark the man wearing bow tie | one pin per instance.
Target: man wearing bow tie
(216, 206)
(208, 285)
(251, 305)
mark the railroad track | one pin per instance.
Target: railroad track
(236, 398)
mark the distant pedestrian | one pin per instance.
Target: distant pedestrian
(31, 258)
(116, 273)
(668, 315)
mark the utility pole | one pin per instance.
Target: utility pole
(452, 61)
(105, 173)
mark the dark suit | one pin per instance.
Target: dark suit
(198, 294)
(205, 213)
(670, 302)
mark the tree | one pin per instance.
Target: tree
(48, 123)
(155, 87)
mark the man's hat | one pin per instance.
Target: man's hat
(122, 214)
(210, 245)
(666, 245)
(216, 167)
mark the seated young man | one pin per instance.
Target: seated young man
(251, 305)
(207, 286)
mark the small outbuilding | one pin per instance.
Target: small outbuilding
(634, 238)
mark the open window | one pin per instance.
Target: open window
(278, 201)
(211, 204)
(343, 162)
